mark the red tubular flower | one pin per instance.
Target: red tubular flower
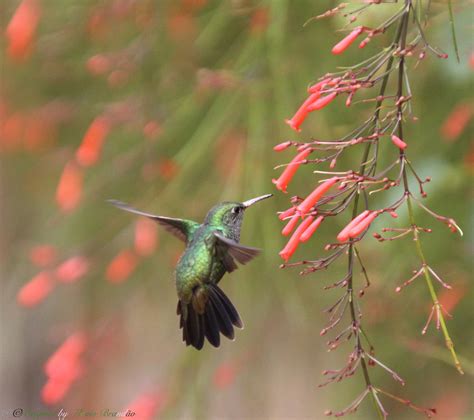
(363, 224)
(21, 29)
(364, 42)
(289, 172)
(36, 289)
(316, 195)
(290, 225)
(322, 102)
(146, 237)
(292, 244)
(282, 146)
(302, 112)
(287, 213)
(69, 190)
(121, 266)
(72, 269)
(397, 141)
(89, 151)
(311, 229)
(343, 235)
(318, 86)
(43, 255)
(342, 45)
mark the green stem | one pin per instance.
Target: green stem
(453, 29)
(419, 249)
(429, 282)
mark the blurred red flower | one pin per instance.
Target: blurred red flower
(69, 190)
(148, 405)
(21, 29)
(72, 269)
(146, 237)
(37, 289)
(43, 255)
(88, 152)
(456, 121)
(63, 367)
(121, 266)
(225, 375)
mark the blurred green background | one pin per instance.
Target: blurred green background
(195, 93)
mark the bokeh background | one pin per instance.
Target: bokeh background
(187, 99)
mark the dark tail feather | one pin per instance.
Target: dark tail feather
(211, 326)
(230, 308)
(193, 326)
(219, 316)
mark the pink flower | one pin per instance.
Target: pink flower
(37, 289)
(346, 42)
(322, 102)
(72, 269)
(311, 229)
(289, 172)
(316, 195)
(397, 141)
(294, 241)
(343, 235)
(290, 225)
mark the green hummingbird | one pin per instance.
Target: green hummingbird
(212, 249)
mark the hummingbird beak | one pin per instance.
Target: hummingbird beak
(248, 203)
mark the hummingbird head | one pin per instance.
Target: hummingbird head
(229, 215)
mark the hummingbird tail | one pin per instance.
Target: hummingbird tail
(217, 316)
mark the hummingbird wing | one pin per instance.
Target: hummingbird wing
(229, 250)
(181, 228)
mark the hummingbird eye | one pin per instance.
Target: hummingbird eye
(236, 210)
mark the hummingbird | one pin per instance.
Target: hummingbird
(212, 249)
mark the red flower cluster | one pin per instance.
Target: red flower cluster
(314, 102)
(309, 223)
